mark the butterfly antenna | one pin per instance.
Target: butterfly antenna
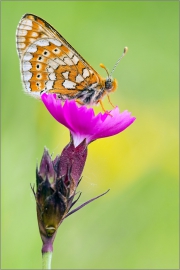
(125, 51)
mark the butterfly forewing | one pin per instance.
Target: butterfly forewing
(49, 63)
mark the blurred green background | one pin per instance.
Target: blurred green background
(135, 226)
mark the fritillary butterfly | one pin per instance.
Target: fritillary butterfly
(50, 64)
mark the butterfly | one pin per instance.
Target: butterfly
(50, 64)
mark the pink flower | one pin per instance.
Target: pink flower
(83, 123)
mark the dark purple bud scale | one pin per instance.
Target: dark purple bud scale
(74, 157)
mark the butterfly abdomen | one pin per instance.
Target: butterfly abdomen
(90, 96)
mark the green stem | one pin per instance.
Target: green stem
(46, 260)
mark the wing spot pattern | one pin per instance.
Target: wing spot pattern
(69, 84)
(65, 74)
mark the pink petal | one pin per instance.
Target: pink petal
(83, 123)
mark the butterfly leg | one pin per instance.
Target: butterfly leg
(99, 101)
(79, 101)
(110, 101)
(103, 107)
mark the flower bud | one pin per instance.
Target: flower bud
(56, 183)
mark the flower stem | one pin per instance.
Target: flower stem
(46, 260)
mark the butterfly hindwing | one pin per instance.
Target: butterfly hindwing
(50, 64)
(48, 61)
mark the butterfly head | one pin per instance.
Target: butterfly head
(110, 84)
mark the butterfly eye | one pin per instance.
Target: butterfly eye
(108, 84)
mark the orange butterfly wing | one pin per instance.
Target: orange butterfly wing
(49, 63)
